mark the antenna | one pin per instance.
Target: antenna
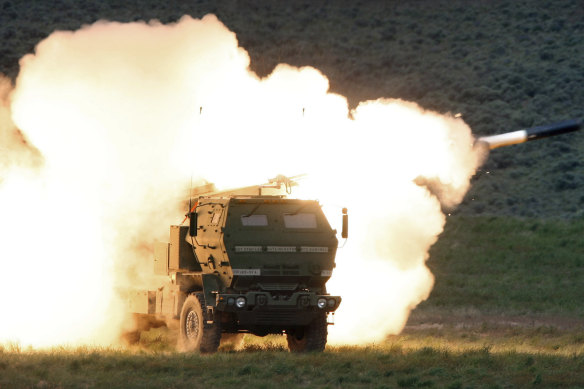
(191, 207)
(190, 193)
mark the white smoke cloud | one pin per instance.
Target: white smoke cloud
(125, 114)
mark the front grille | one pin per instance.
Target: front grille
(277, 317)
(290, 272)
(277, 286)
(284, 270)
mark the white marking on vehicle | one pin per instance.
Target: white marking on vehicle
(248, 249)
(282, 249)
(246, 272)
(308, 249)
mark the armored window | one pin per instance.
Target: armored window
(216, 218)
(300, 220)
(254, 220)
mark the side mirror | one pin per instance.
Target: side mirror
(193, 224)
(345, 230)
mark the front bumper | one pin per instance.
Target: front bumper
(299, 300)
(275, 311)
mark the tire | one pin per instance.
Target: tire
(309, 338)
(195, 334)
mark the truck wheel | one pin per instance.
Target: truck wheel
(195, 333)
(309, 338)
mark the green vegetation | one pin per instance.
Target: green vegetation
(391, 365)
(509, 266)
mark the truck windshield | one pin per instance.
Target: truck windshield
(254, 220)
(300, 220)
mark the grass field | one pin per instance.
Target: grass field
(505, 312)
(429, 358)
(511, 266)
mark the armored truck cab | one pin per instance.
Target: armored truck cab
(245, 264)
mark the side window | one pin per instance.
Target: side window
(254, 220)
(216, 218)
(300, 220)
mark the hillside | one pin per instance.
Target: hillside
(503, 66)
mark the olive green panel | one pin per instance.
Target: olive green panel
(208, 243)
(284, 238)
(181, 256)
(265, 236)
(211, 286)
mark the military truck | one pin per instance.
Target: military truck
(250, 260)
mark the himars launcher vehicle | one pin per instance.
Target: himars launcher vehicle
(250, 261)
(253, 261)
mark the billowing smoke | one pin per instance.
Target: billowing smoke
(125, 114)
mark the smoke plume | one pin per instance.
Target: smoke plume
(125, 114)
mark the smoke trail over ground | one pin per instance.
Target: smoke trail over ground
(125, 114)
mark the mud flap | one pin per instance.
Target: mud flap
(210, 289)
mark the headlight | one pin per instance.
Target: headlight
(230, 301)
(331, 303)
(321, 303)
(240, 302)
